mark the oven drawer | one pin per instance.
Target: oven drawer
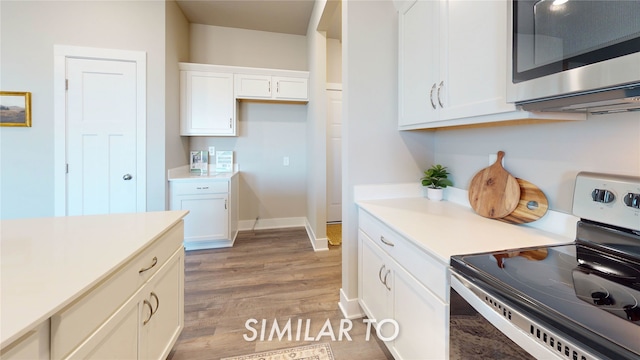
(429, 271)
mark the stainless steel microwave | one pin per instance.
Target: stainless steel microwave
(574, 55)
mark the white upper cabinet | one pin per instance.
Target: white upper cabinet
(419, 71)
(209, 94)
(452, 65)
(207, 106)
(263, 87)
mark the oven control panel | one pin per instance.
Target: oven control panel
(609, 199)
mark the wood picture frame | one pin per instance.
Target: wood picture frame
(15, 108)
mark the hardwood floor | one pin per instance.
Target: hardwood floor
(273, 275)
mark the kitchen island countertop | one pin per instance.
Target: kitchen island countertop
(46, 263)
(445, 228)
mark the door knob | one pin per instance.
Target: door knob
(127, 177)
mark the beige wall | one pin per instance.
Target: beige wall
(177, 50)
(29, 30)
(239, 47)
(334, 61)
(267, 132)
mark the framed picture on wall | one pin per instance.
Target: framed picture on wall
(15, 108)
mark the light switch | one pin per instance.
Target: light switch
(285, 161)
(212, 151)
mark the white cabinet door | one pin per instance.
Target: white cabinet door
(266, 87)
(252, 86)
(422, 318)
(289, 88)
(162, 310)
(117, 338)
(419, 69)
(475, 51)
(208, 216)
(207, 104)
(375, 297)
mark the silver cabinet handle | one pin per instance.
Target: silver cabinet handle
(225, 204)
(153, 295)
(147, 303)
(269, 86)
(385, 241)
(440, 88)
(433, 88)
(380, 273)
(386, 275)
(127, 177)
(278, 87)
(154, 262)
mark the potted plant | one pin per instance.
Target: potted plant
(435, 180)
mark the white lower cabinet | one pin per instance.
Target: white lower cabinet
(390, 291)
(212, 221)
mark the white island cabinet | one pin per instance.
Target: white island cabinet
(212, 202)
(92, 287)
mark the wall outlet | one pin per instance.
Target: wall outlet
(212, 151)
(493, 158)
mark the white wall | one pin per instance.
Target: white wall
(374, 151)
(29, 30)
(240, 47)
(267, 132)
(548, 155)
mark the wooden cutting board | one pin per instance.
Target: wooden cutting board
(493, 192)
(532, 206)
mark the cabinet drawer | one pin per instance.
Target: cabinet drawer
(379, 233)
(420, 264)
(72, 325)
(199, 187)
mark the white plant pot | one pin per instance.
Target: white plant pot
(435, 194)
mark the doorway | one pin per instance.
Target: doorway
(100, 131)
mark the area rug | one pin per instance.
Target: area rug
(308, 352)
(334, 234)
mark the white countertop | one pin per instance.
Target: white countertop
(444, 228)
(46, 263)
(183, 174)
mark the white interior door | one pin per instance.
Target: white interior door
(334, 155)
(101, 136)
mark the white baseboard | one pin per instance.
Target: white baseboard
(318, 244)
(277, 223)
(350, 307)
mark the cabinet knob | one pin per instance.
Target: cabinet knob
(127, 177)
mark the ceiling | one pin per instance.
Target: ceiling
(280, 16)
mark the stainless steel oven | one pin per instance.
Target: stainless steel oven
(572, 55)
(578, 300)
